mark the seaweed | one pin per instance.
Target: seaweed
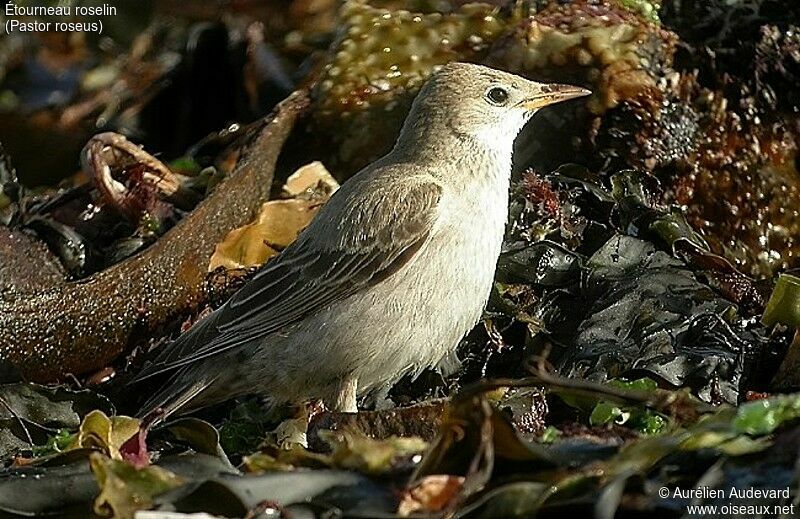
(630, 343)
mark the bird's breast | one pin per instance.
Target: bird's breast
(448, 281)
(466, 241)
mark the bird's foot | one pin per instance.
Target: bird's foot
(292, 432)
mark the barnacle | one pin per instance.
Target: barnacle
(647, 9)
(384, 51)
(614, 49)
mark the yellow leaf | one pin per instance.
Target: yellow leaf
(313, 177)
(107, 434)
(371, 456)
(124, 489)
(285, 459)
(278, 223)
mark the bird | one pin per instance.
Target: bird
(391, 274)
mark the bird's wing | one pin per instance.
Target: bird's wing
(360, 237)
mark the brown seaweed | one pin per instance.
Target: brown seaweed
(80, 326)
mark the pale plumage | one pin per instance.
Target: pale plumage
(390, 275)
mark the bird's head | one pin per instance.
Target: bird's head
(484, 103)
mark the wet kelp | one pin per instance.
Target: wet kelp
(645, 312)
(477, 466)
(622, 286)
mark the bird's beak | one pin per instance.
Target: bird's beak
(554, 93)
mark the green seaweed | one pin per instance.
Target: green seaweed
(784, 304)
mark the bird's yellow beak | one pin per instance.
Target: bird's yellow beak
(554, 93)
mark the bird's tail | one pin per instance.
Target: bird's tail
(171, 399)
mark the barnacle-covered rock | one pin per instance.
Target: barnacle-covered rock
(614, 49)
(650, 131)
(648, 9)
(383, 51)
(740, 185)
(388, 49)
(382, 57)
(624, 57)
(740, 188)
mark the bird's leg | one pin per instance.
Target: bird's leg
(344, 399)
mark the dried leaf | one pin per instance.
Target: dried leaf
(107, 434)
(311, 177)
(124, 489)
(278, 223)
(277, 459)
(431, 494)
(370, 456)
(350, 451)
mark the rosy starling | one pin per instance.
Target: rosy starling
(391, 274)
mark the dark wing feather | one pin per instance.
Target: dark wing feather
(374, 233)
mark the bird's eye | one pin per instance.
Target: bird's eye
(497, 96)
